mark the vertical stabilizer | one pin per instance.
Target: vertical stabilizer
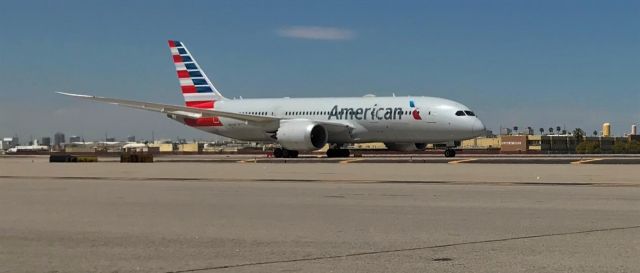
(197, 89)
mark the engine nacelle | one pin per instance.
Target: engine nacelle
(301, 135)
(406, 147)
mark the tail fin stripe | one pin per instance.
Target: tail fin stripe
(188, 89)
(197, 96)
(195, 73)
(184, 82)
(199, 82)
(186, 66)
(183, 74)
(203, 89)
(200, 104)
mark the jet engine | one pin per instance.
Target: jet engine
(301, 135)
(406, 147)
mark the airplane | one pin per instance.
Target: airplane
(308, 124)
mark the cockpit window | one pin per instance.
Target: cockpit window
(469, 113)
(459, 113)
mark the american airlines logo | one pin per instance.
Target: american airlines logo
(370, 113)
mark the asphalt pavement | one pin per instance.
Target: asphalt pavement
(244, 217)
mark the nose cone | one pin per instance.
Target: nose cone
(478, 128)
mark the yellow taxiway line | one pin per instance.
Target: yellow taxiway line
(586, 160)
(255, 160)
(462, 160)
(351, 160)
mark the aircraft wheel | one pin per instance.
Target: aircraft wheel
(293, 154)
(338, 153)
(449, 153)
(277, 153)
(330, 153)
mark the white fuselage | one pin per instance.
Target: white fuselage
(373, 119)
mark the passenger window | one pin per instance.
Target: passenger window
(460, 113)
(469, 113)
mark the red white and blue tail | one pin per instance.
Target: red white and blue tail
(197, 89)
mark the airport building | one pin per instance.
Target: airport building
(538, 144)
(8, 143)
(73, 139)
(544, 144)
(485, 143)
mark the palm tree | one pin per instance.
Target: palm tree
(515, 129)
(529, 130)
(551, 130)
(558, 128)
(541, 130)
(595, 132)
(577, 132)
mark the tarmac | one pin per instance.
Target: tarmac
(196, 214)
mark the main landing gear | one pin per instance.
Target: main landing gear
(449, 152)
(338, 152)
(284, 153)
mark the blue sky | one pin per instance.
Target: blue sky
(524, 63)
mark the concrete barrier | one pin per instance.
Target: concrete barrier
(136, 158)
(67, 158)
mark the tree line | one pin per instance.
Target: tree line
(594, 147)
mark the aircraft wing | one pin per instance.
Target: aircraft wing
(183, 111)
(190, 112)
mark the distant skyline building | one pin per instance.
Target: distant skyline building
(45, 141)
(606, 129)
(634, 130)
(131, 138)
(73, 139)
(59, 139)
(111, 139)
